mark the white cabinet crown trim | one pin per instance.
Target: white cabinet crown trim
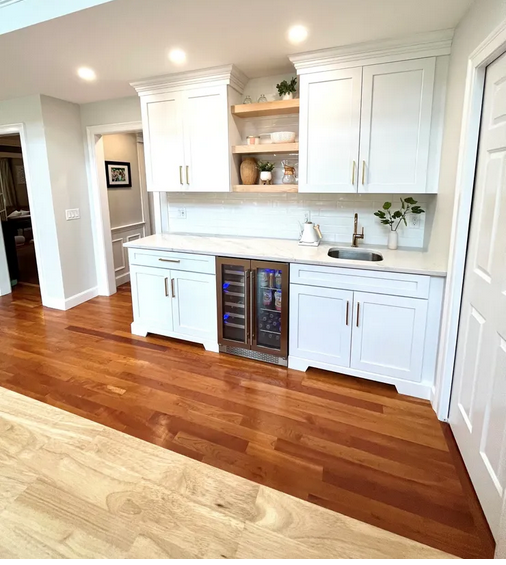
(432, 44)
(226, 75)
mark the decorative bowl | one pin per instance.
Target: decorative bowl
(283, 137)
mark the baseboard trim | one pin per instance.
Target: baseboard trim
(68, 303)
(122, 279)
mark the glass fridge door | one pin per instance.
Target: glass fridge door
(233, 302)
(271, 307)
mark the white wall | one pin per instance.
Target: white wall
(65, 152)
(28, 111)
(119, 110)
(278, 215)
(125, 205)
(478, 23)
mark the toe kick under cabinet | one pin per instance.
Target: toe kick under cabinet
(376, 325)
(174, 294)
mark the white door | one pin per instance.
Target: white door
(164, 144)
(329, 131)
(206, 140)
(389, 335)
(395, 126)
(151, 299)
(325, 337)
(478, 403)
(194, 305)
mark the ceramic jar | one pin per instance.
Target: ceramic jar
(249, 171)
(393, 240)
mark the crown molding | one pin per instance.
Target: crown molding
(432, 44)
(228, 75)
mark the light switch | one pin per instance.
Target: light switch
(72, 214)
(181, 213)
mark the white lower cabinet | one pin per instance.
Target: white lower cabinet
(173, 302)
(374, 335)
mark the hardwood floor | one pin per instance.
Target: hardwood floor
(72, 488)
(349, 445)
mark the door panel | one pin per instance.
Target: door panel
(389, 335)
(478, 403)
(163, 137)
(206, 140)
(329, 131)
(269, 307)
(327, 337)
(151, 299)
(395, 126)
(194, 300)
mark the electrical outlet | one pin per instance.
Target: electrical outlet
(72, 214)
(181, 213)
(414, 221)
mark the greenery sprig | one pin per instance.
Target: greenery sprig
(285, 87)
(408, 206)
(265, 166)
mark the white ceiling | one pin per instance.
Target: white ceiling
(127, 40)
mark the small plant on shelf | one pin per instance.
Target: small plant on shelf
(393, 219)
(265, 168)
(286, 89)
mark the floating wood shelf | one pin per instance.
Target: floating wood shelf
(265, 188)
(266, 109)
(267, 148)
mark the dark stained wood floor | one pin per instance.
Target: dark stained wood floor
(353, 446)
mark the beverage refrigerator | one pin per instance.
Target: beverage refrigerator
(253, 309)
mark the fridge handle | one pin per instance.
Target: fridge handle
(247, 313)
(252, 303)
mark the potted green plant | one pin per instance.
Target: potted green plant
(286, 89)
(265, 168)
(394, 219)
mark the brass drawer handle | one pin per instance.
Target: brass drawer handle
(180, 174)
(166, 290)
(353, 173)
(347, 312)
(172, 288)
(169, 260)
(363, 172)
(358, 313)
(187, 180)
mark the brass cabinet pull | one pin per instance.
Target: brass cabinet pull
(169, 260)
(353, 173)
(180, 174)
(187, 180)
(347, 312)
(363, 172)
(358, 313)
(252, 304)
(172, 288)
(166, 289)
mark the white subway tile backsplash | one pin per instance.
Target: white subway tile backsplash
(280, 215)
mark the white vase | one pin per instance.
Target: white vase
(393, 240)
(266, 177)
(288, 96)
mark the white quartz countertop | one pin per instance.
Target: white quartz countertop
(289, 251)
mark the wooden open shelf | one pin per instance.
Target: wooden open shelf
(265, 188)
(266, 148)
(258, 109)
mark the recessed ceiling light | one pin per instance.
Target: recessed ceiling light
(177, 56)
(86, 74)
(297, 34)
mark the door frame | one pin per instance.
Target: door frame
(99, 203)
(488, 51)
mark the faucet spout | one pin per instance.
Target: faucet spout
(356, 236)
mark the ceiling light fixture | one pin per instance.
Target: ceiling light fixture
(86, 74)
(177, 56)
(297, 34)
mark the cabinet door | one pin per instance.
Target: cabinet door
(206, 140)
(329, 131)
(389, 335)
(164, 144)
(321, 324)
(194, 305)
(395, 126)
(152, 303)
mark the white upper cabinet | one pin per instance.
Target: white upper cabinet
(395, 127)
(186, 125)
(329, 131)
(206, 143)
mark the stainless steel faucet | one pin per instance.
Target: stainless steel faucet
(356, 235)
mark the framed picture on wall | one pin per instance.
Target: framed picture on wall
(118, 174)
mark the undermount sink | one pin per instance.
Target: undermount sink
(354, 254)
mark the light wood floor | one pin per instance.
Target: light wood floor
(73, 488)
(349, 445)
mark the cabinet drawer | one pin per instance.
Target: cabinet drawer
(397, 284)
(173, 260)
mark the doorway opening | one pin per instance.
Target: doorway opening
(16, 218)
